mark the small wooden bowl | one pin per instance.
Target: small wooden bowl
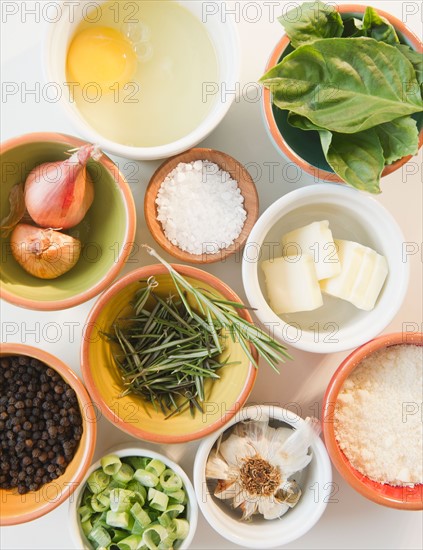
(237, 172)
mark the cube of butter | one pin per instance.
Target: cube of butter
(363, 273)
(315, 239)
(292, 284)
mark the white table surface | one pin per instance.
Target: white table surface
(351, 522)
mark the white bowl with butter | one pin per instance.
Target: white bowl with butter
(335, 325)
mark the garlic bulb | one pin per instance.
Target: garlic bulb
(255, 464)
(44, 253)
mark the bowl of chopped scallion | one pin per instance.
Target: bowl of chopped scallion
(134, 498)
(170, 353)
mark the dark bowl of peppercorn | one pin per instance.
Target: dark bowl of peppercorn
(47, 433)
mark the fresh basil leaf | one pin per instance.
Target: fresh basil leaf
(353, 28)
(399, 138)
(311, 21)
(299, 121)
(415, 58)
(356, 158)
(345, 85)
(378, 27)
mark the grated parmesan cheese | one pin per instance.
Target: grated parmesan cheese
(378, 416)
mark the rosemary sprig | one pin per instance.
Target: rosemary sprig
(224, 315)
(166, 353)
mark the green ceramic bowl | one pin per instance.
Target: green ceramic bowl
(106, 231)
(304, 148)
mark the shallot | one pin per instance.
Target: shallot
(44, 253)
(59, 194)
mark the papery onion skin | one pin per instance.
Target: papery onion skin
(44, 253)
(59, 194)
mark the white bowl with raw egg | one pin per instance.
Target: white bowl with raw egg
(145, 80)
(323, 268)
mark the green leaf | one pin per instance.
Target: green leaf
(378, 27)
(311, 21)
(399, 138)
(415, 58)
(357, 158)
(345, 85)
(353, 28)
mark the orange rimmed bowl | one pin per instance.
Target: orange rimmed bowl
(107, 231)
(303, 147)
(16, 508)
(132, 414)
(403, 498)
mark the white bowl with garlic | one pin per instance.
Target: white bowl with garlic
(264, 479)
(323, 268)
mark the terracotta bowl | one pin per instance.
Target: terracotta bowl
(106, 232)
(237, 172)
(131, 413)
(16, 508)
(404, 498)
(304, 148)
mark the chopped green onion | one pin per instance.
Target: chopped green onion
(118, 513)
(86, 526)
(85, 512)
(118, 519)
(133, 542)
(111, 464)
(148, 479)
(153, 536)
(156, 466)
(177, 497)
(100, 536)
(98, 481)
(170, 481)
(138, 489)
(124, 474)
(97, 505)
(158, 500)
(140, 515)
(174, 510)
(181, 528)
(120, 500)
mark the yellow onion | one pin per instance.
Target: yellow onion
(59, 194)
(44, 253)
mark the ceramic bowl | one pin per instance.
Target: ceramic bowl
(122, 451)
(352, 215)
(15, 508)
(403, 498)
(261, 533)
(237, 172)
(303, 147)
(224, 36)
(106, 238)
(224, 397)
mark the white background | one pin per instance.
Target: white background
(349, 523)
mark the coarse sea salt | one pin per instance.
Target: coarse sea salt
(377, 418)
(200, 207)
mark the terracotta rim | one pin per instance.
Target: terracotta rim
(338, 458)
(150, 209)
(270, 122)
(133, 276)
(89, 423)
(129, 231)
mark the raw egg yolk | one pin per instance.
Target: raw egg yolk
(101, 55)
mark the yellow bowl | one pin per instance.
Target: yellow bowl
(132, 414)
(16, 508)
